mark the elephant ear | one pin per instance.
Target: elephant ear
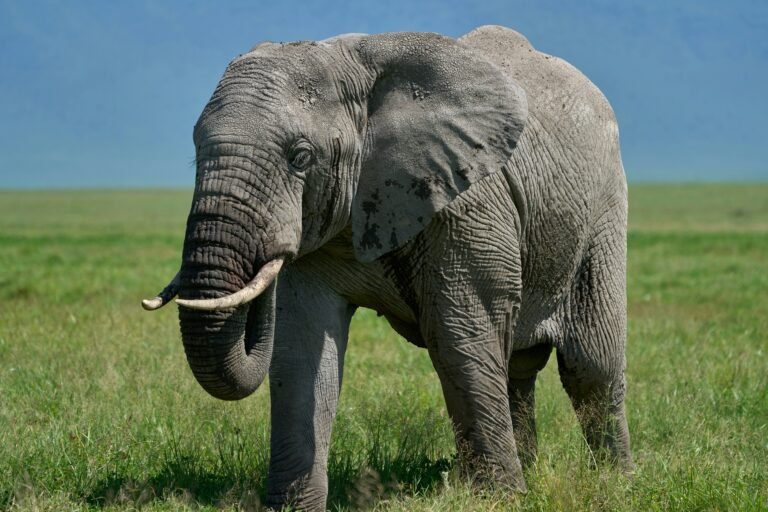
(440, 118)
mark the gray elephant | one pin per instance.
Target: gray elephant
(471, 191)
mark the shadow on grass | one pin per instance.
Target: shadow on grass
(396, 452)
(377, 481)
(183, 481)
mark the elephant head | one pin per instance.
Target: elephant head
(300, 140)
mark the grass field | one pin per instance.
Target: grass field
(99, 411)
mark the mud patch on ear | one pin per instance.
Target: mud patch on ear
(423, 188)
(369, 238)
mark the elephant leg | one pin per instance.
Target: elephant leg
(474, 383)
(521, 408)
(524, 366)
(468, 288)
(469, 351)
(599, 406)
(305, 381)
(591, 359)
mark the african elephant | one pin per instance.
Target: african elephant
(471, 191)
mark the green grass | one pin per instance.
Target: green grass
(99, 411)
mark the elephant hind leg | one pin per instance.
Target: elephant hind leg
(524, 366)
(599, 406)
(591, 358)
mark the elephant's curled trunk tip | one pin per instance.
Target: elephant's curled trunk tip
(253, 289)
(164, 297)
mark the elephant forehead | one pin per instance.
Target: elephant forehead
(259, 91)
(294, 63)
(243, 116)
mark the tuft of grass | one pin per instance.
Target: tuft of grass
(98, 409)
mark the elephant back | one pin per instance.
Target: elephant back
(561, 100)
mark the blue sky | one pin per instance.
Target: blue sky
(105, 94)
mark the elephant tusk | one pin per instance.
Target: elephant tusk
(164, 297)
(258, 284)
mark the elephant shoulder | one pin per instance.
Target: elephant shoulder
(551, 83)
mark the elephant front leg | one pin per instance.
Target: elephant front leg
(468, 289)
(305, 381)
(465, 319)
(474, 381)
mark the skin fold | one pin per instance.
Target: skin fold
(470, 190)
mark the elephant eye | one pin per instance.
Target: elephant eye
(300, 155)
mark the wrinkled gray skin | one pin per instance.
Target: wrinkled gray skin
(470, 191)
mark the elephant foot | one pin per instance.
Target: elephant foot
(306, 492)
(484, 475)
(298, 498)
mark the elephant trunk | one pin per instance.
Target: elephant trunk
(228, 348)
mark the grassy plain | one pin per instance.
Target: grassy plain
(99, 411)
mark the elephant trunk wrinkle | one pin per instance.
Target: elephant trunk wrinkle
(229, 351)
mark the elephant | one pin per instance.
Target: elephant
(469, 190)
